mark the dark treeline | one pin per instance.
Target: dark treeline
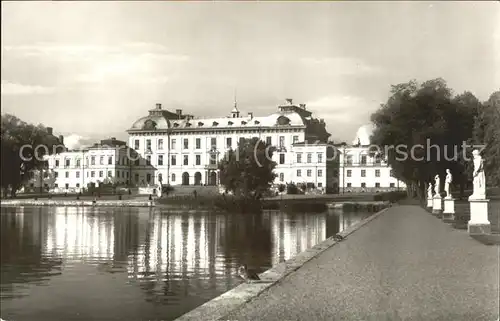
(429, 113)
(17, 161)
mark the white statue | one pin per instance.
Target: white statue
(479, 179)
(429, 191)
(436, 186)
(447, 182)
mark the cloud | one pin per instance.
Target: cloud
(343, 114)
(75, 141)
(10, 88)
(340, 65)
(342, 108)
(136, 62)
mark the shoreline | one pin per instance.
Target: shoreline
(77, 203)
(222, 305)
(352, 205)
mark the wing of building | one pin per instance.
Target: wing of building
(362, 169)
(182, 149)
(174, 148)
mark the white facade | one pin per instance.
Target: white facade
(361, 170)
(99, 164)
(311, 164)
(183, 150)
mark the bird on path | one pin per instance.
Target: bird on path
(338, 237)
(246, 274)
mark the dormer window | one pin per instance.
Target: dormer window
(188, 124)
(230, 123)
(215, 123)
(176, 125)
(282, 120)
(243, 122)
(200, 124)
(257, 122)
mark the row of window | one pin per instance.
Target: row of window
(213, 142)
(376, 185)
(77, 185)
(121, 161)
(299, 174)
(363, 161)
(213, 159)
(309, 173)
(119, 174)
(319, 158)
(363, 173)
(173, 160)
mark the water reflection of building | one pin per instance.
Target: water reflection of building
(294, 234)
(23, 233)
(75, 232)
(174, 244)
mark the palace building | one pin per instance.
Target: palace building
(180, 149)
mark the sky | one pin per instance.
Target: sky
(90, 69)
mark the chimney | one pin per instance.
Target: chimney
(49, 130)
(250, 115)
(303, 106)
(61, 139)
(158, 106)
(113, 138)
(289, 101)
(178, 112)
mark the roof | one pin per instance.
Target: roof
(150, 122)
(273, 120)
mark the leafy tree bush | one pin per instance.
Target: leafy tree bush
(425, 115)
(392, 197)
(247, 172)
(15, 134)
(487, 131)
(167, 189)
(292, 189)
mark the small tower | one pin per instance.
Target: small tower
(235, 113)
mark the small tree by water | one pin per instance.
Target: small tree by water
(247, 172)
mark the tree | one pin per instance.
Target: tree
(426, 115)
(487, 132)
(247, 172)
(18, 153)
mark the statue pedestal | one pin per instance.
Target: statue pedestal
(429, 202)
(437, 207)
(479, 223)
(449, 210)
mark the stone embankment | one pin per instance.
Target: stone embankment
(49, 202)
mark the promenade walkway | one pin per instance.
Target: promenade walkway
(404, 265)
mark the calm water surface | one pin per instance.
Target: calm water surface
(64, 263)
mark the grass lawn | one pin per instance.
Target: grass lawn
(462, 214)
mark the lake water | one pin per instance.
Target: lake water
(135, 264)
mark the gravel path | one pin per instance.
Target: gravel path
(404, 265)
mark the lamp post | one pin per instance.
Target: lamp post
(343, 169)
(168, 156)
